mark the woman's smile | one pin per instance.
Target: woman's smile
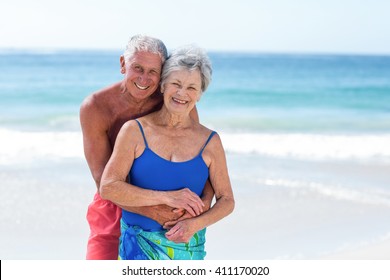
(179, 100)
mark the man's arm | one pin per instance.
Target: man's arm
(97, 148)
(207, 195)
(97, 151)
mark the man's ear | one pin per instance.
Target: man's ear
(122, 64)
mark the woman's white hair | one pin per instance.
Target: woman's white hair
(189, 57)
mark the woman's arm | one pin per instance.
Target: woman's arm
(224, 205)
(114, 187)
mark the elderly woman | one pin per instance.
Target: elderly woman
(182, 154)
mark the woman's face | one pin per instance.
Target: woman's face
(182, 89)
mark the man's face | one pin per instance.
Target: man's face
(142, 74)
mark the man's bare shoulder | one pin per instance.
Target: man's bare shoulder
(96, 107)
(100, 98)
(101, 101)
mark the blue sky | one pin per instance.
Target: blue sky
(321, 26)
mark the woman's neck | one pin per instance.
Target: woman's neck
(172, 120)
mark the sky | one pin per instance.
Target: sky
(286, 26)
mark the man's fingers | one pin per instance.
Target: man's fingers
(178, 210)
(169, 224)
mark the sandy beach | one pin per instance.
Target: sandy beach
(43, 213)
(371, 251)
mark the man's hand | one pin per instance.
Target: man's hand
(165, 213)
(160, 213)
(170, 224)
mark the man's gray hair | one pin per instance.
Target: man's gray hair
(143, 43)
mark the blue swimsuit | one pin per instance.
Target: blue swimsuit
(150, 171)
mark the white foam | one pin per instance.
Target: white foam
(18, 146)
(310, 146)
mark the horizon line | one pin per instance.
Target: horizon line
(54, 50)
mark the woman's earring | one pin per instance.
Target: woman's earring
(123, 70)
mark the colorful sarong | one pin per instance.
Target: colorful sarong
(138, 244)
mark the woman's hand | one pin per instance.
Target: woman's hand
(207, 197)
(181, 232)
(185, 199)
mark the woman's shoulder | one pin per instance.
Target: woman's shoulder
(209, 134)
(130, 125)
(131, 130)
(206, 130)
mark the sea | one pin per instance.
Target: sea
(307, 141)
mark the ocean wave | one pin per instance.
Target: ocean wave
(310, 146)
(17, 146)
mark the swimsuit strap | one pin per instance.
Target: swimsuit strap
(208, 139)
(143, 134)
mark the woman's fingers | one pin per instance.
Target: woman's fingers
(195, 202)
(181, 232)
(187, 200)
(175, 234)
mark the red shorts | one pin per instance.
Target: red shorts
(103, 217)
